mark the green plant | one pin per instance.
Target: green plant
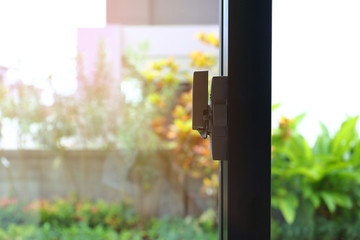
(66, 219)
(131, 235)
(46, 232)
(178, 229)
(314, 183)
(64, 213)
(11, 212)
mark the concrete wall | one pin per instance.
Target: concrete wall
(30, 175)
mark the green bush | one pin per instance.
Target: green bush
(64, 213)
(179, 229)
(46, 232)
(315, 190)
(66, 219)
(169, 229)
(11, 212)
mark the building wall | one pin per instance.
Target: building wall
(162, 12)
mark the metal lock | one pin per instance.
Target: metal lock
(211, 119)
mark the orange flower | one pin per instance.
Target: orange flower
(284, 122)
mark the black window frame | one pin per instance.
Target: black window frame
(245, 178)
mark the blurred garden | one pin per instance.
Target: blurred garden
(107, 162)
(147, 139)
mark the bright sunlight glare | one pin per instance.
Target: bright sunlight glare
(316, 62)
(38, 42)
(38, 38)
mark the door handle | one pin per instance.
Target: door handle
(211, 119)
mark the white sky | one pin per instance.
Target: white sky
(316, 61)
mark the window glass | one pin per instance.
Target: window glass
(96, 139)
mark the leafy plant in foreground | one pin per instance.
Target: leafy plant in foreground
(311, 183)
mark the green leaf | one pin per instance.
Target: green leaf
(332, 199)
(315, 200)
(288, 206)
(300, 148)
(352, 175)
(276, 171)
(322, 144)
(336, 167)
(355, 156)
(297, 120)
(343, 200)
(329, 201)
(308, 193)
(314, 174)
(275, 106)
(346, 136)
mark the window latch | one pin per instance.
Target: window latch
(211, 119)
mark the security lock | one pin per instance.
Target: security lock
(211, 119)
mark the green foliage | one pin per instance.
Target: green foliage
(46, 232)
(315, 189)
(179, 229)
(63, 213)
(66, 219)
(11, 212)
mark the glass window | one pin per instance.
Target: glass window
(96, 138)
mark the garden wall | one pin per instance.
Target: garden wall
(29, 175)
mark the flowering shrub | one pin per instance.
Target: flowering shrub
(191, 152)
(66, 219)
(166, 101)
